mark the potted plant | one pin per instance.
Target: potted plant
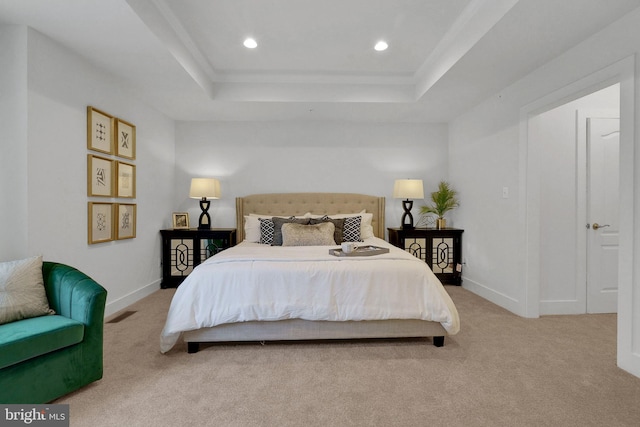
(444, 200)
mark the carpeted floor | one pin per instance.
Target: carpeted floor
(500, 370)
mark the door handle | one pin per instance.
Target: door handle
(595, 225)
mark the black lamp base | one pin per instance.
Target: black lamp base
(205, 220)
(407, 218)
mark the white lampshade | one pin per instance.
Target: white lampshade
(408, 189)
(204, 187)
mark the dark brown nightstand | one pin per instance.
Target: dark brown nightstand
(183, 249)
(441, 249)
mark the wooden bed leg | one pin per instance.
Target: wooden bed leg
(437, 341)
(193, 347)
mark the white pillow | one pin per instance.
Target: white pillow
(22, 293)
(251, 229)
(366, 229)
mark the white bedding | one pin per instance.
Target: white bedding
(253, 282)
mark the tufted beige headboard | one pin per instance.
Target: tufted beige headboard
(317, 203)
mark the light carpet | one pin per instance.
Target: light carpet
(500, 370)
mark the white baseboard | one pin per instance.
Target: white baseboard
(127, 300)
(504, 301)
(550, 307)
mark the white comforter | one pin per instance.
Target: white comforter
(250, 282)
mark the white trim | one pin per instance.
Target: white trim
(628, 286)
(529, 261)
(552, 307)
(528, 222)
(135, 296)
(492, 295)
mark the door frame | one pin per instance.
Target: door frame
(623, 72)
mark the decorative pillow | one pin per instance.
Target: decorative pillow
(366, 228)
(252, 232)
(308, 235)
(351, 231)
(22, 293)
(337, 223)
(277, 227)
(266, 230)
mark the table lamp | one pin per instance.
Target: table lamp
(204, 189)
(408, 189)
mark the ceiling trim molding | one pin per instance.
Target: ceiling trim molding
(159, 18)
(313, 78)
(474, 22)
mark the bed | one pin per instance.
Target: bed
(258, 292)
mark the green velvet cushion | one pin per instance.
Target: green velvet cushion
(33, 337)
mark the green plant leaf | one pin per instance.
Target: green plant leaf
(444, 200)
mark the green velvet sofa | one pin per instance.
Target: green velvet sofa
(44, 358)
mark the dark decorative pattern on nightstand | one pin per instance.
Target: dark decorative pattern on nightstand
(184, 249)
(441, 249)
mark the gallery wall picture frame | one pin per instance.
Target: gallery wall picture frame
(126, 179)
(125, 139)
(100, 222)
(100, 131)
(125, 221)
(100, 176)
(180, 220)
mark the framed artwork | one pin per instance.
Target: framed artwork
(125, 221)
(125, 139)
(100, 222)
(180, 220)
(126, 177)
(99, 176)
(100, 131)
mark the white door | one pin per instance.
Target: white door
(603, 142)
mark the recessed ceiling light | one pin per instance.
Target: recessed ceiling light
(381, 45)
(250, 43)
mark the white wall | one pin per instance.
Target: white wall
(488, 150)
(259, 157)
(555, 131)
(60, 86)
(13, 141)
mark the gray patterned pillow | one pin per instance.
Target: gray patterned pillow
(22, 293)
(266, 231)
(351, 232)
(308, 235)
(337, 223)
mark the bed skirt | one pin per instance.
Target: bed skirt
(298, 329)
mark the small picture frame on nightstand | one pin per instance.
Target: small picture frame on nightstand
(180, 220)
